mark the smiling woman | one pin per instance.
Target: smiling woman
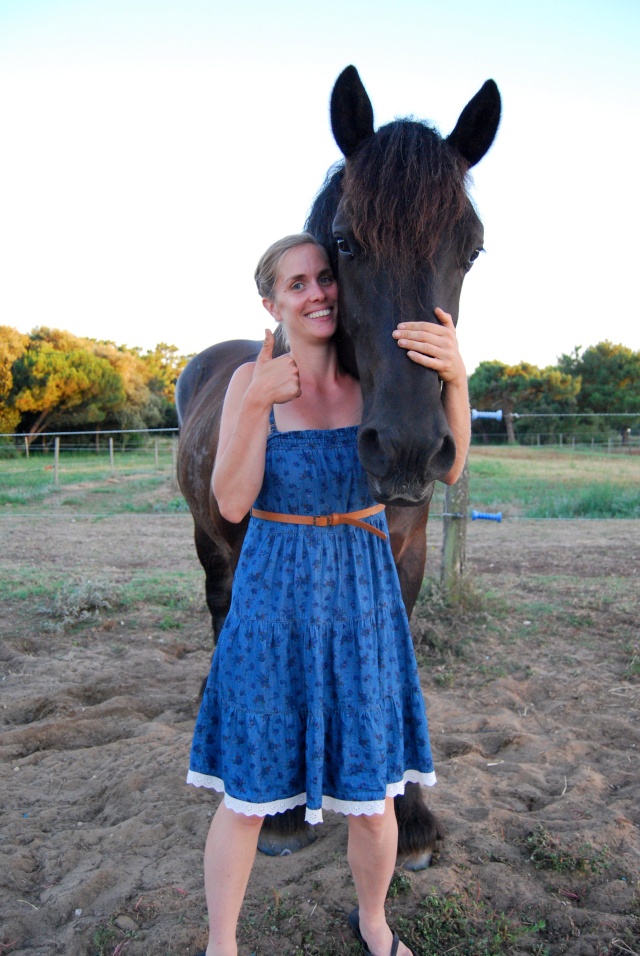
(305, 291)
(316, 611)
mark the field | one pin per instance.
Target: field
(532, 685)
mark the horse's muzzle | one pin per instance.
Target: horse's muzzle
(403, 473)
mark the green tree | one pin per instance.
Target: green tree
(64, 389)
(522, 388)
(142, 408)
(163, 366)
(13, 344)
(54, 379)
(610, 377)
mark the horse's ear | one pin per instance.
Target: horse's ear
(478, 124)
(351, 111)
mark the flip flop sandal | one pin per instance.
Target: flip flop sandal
(354, 923)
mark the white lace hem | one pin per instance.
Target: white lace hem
(354, 807)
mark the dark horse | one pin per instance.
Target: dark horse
(401, 234)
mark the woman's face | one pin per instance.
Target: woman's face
(305, 295)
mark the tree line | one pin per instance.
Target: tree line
(51, 380)
(601, 383)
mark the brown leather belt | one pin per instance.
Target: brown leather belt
(327, 521)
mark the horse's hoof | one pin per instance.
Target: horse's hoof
(419, 861)
(273, 845)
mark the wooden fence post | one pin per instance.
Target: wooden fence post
(155, 446)
(111, 454)
(454, 533)
(26, 446)
(56, 459)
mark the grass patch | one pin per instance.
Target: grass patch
(80, 601)
(551, 483)
(28, 482)
(452, 923)
(592, 501)
(400, 884)
(458, 924)
(632, 669)
(173, 590)
(69, 602)
(444, 622)
(175, 506)
(103, 940)
(547, 853)
(108, 940)
(26, 584)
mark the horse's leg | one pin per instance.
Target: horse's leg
(214, 558)
(285, 833)
(418, 827)
(408, 539)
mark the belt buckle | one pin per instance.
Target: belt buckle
(323, 521)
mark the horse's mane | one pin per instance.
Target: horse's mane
(320, 218)
(402, 190)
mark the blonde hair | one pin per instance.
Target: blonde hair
(267, 272)
(267, 269)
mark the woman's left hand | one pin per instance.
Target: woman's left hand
(434, 345)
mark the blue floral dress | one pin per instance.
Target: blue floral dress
(313, 696)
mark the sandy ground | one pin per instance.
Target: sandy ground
(534, 722)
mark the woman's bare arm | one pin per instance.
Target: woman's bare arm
(238, 471)
(436, 347)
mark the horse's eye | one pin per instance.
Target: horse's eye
(472, 258)
(343, 247)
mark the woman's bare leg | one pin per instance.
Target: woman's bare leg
(228, 858)
(373, 845)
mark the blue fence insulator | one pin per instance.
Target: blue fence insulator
(496, 416)
(485, 516)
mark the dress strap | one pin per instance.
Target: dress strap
(326, 521)
(272, 421)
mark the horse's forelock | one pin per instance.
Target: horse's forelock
(403, 190)
(320, 219)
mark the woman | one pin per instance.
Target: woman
(313, 696)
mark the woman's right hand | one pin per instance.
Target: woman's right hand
(278, 379)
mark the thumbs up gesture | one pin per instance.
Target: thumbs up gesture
(278, 378)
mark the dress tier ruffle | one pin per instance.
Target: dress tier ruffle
(313, 696)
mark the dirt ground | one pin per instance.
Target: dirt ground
(533, 703)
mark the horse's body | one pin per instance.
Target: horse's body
(401, 234)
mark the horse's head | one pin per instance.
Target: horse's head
(402, 233)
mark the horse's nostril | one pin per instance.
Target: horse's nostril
(446, 456)
(372, 454)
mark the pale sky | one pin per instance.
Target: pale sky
(151, 149)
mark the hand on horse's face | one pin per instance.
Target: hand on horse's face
(434, 345)
(277, 378)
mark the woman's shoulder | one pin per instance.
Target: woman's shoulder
(240, 380)
(244, 373)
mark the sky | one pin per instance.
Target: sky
(152, 149)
